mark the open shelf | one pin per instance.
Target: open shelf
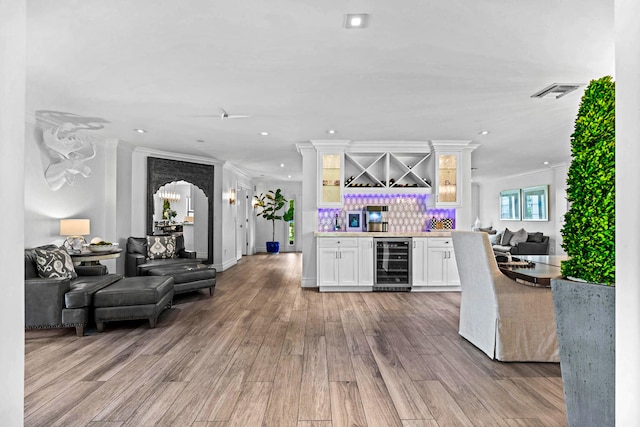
(397, 171)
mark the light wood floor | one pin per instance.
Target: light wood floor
(263, 351)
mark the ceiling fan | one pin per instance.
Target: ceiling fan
(223, 115)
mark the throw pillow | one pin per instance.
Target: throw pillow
(535, 237)
(519, 236)
(161, 247)
(54, 263)
(506, 237)
(495, 239)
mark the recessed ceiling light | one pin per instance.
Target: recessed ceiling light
(356, 20)
(545, 163)
(288, 176)
(140, 130)
(556, 90)
(483, 132)
(331, 131)
(264, 133)
(281, 165)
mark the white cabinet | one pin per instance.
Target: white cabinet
(419, 261)
(337, 262)
(365, 258)
(330, 166)
(448, 179)
(441, 269)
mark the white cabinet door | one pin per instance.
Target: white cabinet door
(328, 273)
(437, 266)
(330, 179)
(419, 264)
(348, 266)
(365, 258)
(447, 179)
(453, 278)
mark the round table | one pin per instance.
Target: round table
(93, 258)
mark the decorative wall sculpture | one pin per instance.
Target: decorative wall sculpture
(65, 146)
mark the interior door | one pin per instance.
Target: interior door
(241, 223)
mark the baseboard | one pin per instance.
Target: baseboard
(225, 264)
(435, 289)
(309, 282)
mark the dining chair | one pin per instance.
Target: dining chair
(507, 320)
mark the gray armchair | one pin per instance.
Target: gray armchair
(137, 262)
(61, 302)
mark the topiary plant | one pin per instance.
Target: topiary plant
(588, 234)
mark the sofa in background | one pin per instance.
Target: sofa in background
(139, 259)
(61, 302)
(520, 242)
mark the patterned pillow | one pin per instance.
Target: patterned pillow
(161, 247)
(52, 263)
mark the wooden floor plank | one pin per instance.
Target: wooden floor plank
(444, 408)
(315, 401)
(346, 405)
(402, 390)
(285, 394)
(338, 360)
(49, 413)
(377, 403)
(265, 351)
(249, 410)
(223, 396)
(266, 362)
(294, 338)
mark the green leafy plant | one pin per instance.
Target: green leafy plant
(588, 234)
(271, 203)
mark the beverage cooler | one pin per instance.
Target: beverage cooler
(392, 264)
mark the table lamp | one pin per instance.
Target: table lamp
(75, 230)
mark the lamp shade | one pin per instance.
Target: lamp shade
(75, 227)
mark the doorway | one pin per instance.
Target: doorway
(242, 222)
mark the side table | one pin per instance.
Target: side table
(94, 258)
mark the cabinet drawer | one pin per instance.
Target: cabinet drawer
(440, 242)
(337, 242)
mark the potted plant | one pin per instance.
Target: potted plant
(271, 203)
(584, 302)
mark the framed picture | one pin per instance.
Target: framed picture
(354, 220)
(510, 205)
(535, 203)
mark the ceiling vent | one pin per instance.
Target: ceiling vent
(556, 90)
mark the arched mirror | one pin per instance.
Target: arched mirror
(172, 176)
(181, 207)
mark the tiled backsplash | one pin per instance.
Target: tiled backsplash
(407, 212)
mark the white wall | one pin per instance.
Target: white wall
(231, 178)
(627, 208)
(489, 197)
(12, 117)
(93, 197)
(264, 229)
(309, 210)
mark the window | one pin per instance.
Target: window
(510, 205)
(535, 203)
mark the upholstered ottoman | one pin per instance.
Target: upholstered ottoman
(188, 277)
(132, 298)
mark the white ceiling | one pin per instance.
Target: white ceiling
(424, 69)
